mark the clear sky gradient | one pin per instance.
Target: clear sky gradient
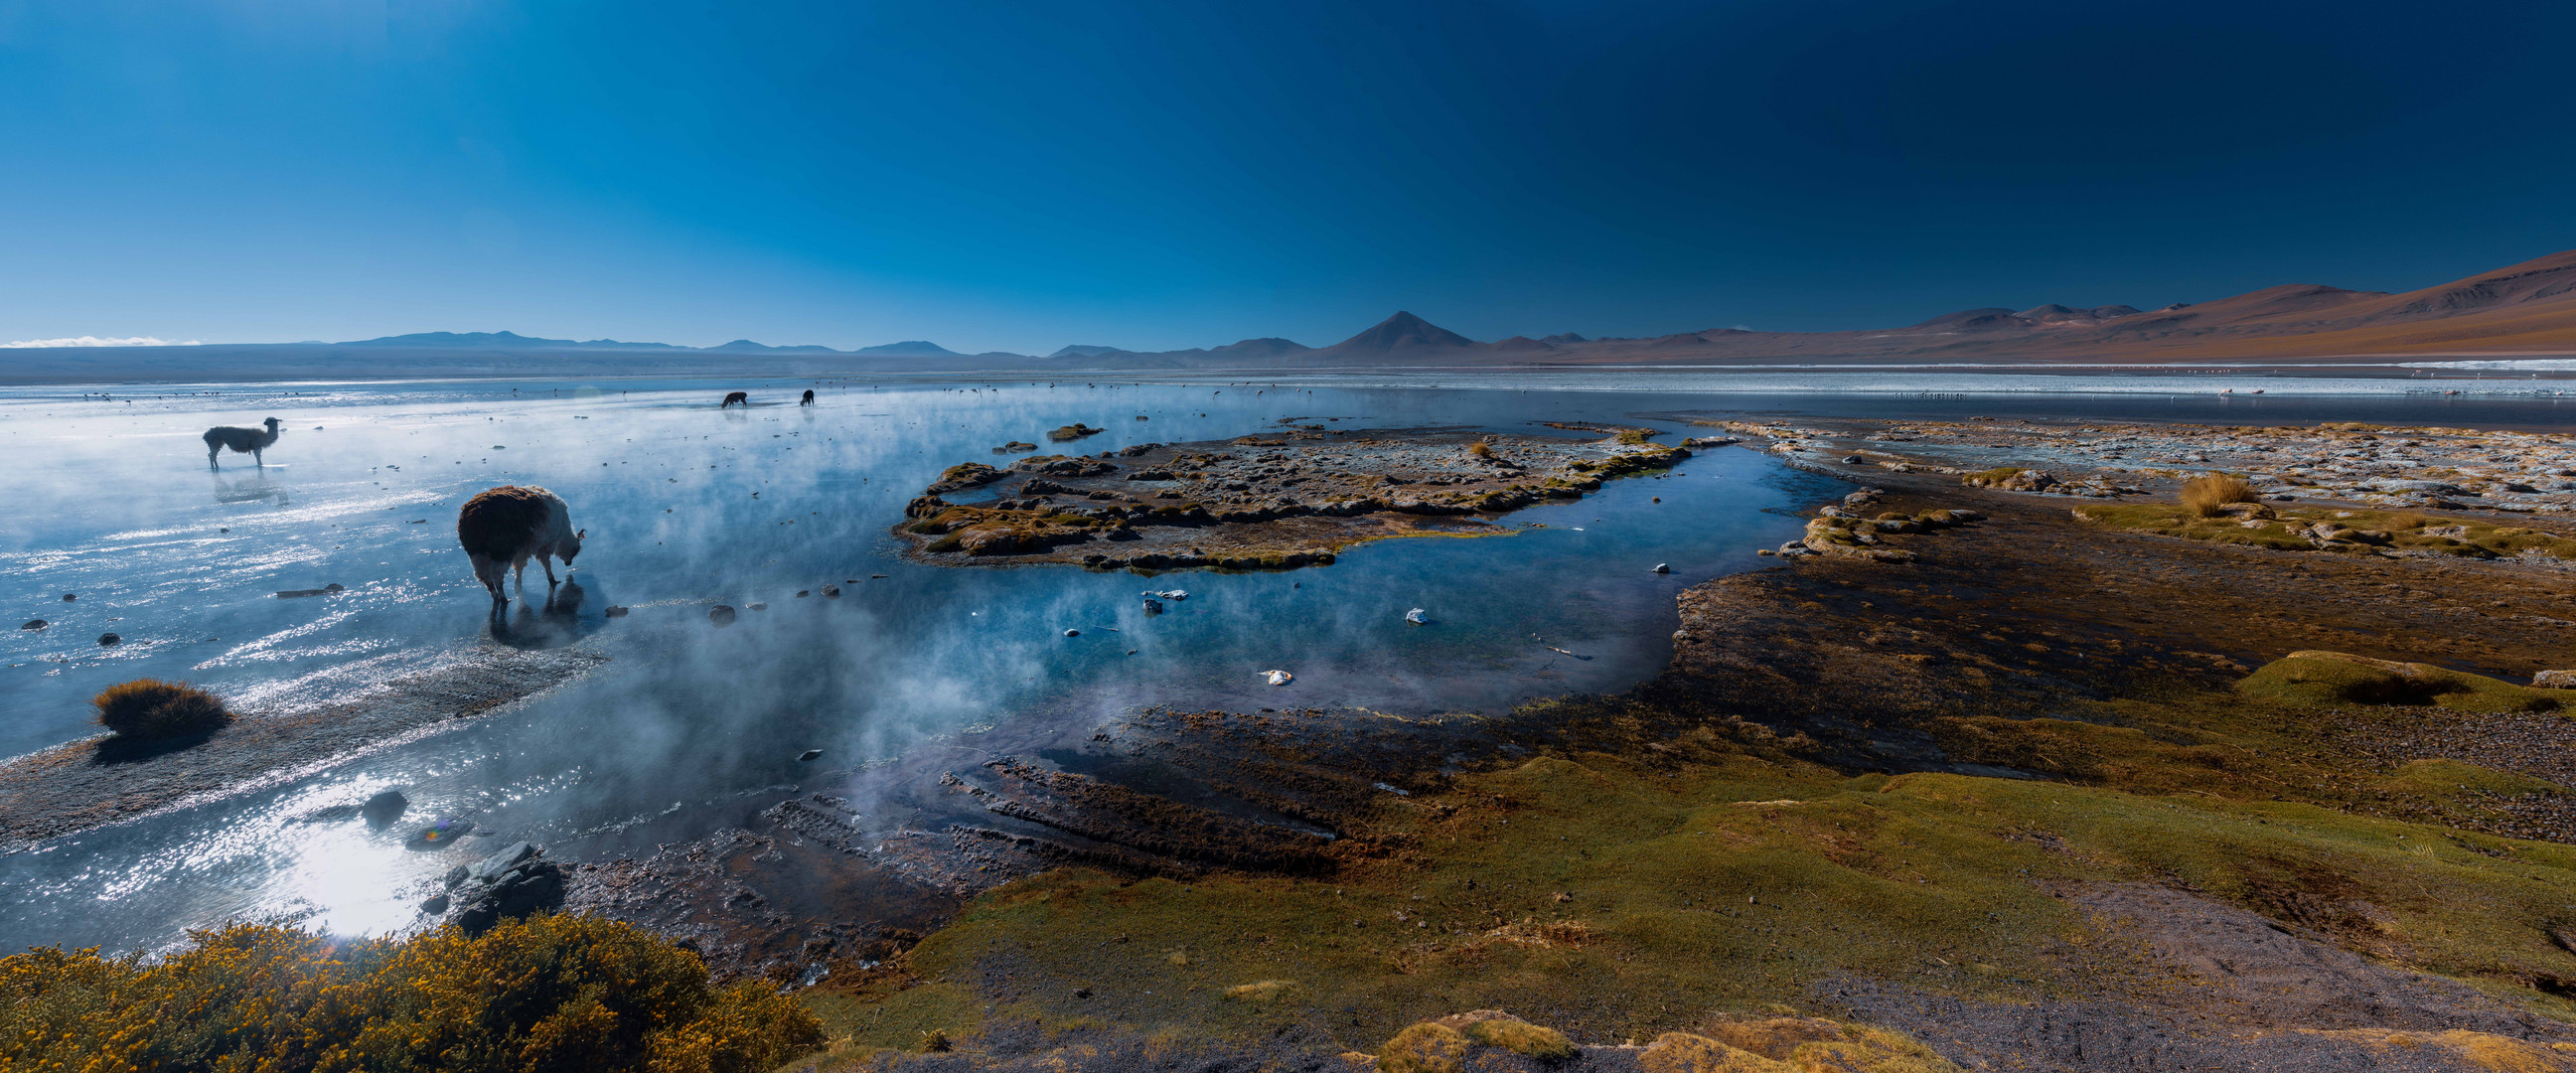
(1021, 176)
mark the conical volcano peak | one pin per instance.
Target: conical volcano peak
(1404, 331)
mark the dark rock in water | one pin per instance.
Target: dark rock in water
(811, 754)
(435, 906)
(457, 875)
(109, 639)
(329, 814)
(831, 592)
(1663, 568)
(442, 833)
(514, 882)
(615, 611)
(384, 808)
(757, 606)
(35, 624)
(70, 596)
(1153, 606)
(1073, 633)
(326, 590)
(509, 857)
(721, 615)
(801, 594)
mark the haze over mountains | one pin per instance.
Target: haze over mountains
(2524, 309)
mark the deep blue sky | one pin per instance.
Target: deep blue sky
(1021, 176)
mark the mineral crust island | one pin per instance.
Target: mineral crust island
(1268, 501)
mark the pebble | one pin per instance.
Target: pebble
(109, 639)
(721, 615)
(35, 624)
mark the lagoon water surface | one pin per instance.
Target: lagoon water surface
(690, 727)
(687, 506)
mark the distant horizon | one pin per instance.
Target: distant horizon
(911, 347)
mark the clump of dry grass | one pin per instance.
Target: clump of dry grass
(152, 708)
(2205, 494)
(1481, 449)
(1522, 1038)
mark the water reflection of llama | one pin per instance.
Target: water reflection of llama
(554, 624)
(255, 488)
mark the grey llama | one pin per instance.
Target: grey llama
(245, 441)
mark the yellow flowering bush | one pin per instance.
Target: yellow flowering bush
(566, 994)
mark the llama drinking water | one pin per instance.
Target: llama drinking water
(504, 528)
(244, 441)
(808, 400)
(732, 397)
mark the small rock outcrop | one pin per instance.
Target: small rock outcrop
(515, 882)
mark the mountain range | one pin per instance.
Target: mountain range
(2523, 309)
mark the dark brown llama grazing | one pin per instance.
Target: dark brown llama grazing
(504, 528)
(742, 397)
(245, 441)
(808, 400)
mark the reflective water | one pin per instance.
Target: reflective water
(687, 506)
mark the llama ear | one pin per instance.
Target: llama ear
(581, 534)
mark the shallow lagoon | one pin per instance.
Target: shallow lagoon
(691, 727)
(691, 724)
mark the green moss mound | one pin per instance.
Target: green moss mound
(2317, 679)
(560, 993)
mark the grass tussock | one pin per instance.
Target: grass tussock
(2206, 494)
(565, 993)
(1481, 449)
(152, 708)
(1522, 1038)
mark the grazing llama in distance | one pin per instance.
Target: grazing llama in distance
(243, 441)
(504, 528)
(808, 400)
(742, 397)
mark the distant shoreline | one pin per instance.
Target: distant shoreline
(2448, 369)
